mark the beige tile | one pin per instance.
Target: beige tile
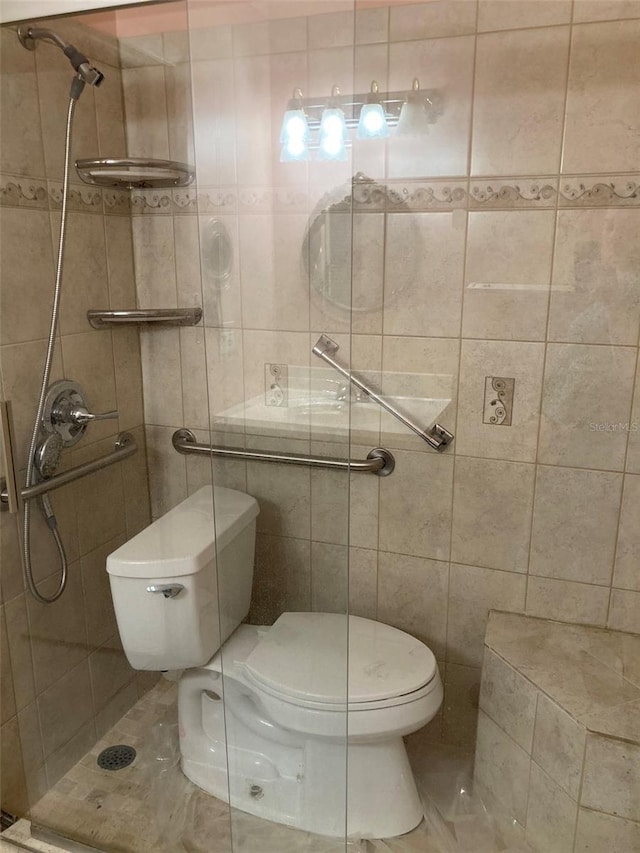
(27, 271)
(167, 471)
(153, 246)
(473, 592)
(179, 112)
(189, 276)
(424, 296)
(287, 34)
(214, 122)
(120, 264)
(605, 10)
(587, 394)
(161, 377)
(275, 288)
(135, 482)
(503, 767)
(626, 573)
(461, 691)
(30, 739)
(367, 273)
(363, 511)
(128, 376)
(446, 66)
(63, 759)
(596, 285)
(509, 699)
(11, 582)
(412, 596)
(363, 582)
(145, 107)
(620, 721)
(110, 115)
(329, 578)
(141, 50)
(551, 814)
(372, 25)
(7, 694)
(519, 102)
(430, 20)
(624, 611)
(85, 270)
(88, 358)
(558, 745)
(331, 30)
(597, 831)
(329, 506)
(284, 495)
(253, 117)
(507, 274)
(97, 601)
(602, 125)
(116, 708)
(611, 780)
(519, 360)
(282, 578)
(100, 499)
(110, 671)
(220, 299)
(507, 15)
(18, 635)
(193, 378)
(492, 509)
(22, 366)
(58, 632)
(22, 143)
(633, 448)
(414, 519)
(575, 522)
(210, 42)
(567, 601)
(65, 707)
(12, 783)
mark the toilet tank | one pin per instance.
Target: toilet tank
(181, 587)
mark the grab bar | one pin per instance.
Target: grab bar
(125, 446)
(379, 461)
(437, 437)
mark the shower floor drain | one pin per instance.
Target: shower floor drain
(116, 757)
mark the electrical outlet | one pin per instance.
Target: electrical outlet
(276, 385)
(498, 400)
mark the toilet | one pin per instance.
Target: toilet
(265, 719)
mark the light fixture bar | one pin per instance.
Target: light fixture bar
(351, 105)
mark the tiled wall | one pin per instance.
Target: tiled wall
(511, 250)
(64, 677)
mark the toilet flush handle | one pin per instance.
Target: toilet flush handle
(172, 590)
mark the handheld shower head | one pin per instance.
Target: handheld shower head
(86, 72)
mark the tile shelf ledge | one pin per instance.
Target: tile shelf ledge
(151, 316)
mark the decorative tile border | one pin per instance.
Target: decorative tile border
(18, 191)
(617, 191)
(507, 193)
(82, 198)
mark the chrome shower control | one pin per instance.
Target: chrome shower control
(66, 412)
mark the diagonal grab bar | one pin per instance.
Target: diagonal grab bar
(437, 437)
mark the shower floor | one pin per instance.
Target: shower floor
(151, 807)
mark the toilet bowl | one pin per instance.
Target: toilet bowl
(300, 722)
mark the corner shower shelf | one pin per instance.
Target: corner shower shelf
(156, 316)
(134, 173)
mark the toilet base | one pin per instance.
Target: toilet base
(283, 777)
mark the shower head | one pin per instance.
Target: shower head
(86, 72)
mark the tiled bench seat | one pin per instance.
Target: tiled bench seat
(558, 746)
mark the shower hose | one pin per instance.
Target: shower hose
(45, 504)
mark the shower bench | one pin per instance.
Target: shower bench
(558, 748)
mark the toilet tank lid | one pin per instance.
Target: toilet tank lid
(183, 541)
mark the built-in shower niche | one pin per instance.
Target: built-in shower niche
(312, 401)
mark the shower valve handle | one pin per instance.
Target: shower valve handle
(80, 415)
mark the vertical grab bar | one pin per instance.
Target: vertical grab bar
(437, 437)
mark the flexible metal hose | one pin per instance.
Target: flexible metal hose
(46, 375)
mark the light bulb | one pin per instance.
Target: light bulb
(333, 135)
(413, 119)
(372, 123)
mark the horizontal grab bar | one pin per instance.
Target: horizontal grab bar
(437, 437)
(125, 446)
(379, 461)
(160, 316)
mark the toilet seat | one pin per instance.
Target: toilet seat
(302, 660)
